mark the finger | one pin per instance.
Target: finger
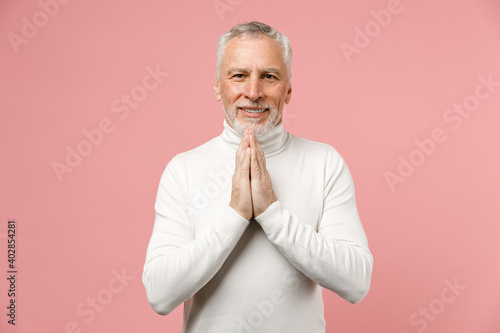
(255, 168)
(254, 163)
(240, 147)
(240, 153)
(245, 164)
(251, 137)
(259, 153)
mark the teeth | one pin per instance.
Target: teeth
(255, 111)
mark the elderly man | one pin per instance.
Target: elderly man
(252, 225)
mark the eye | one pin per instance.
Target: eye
(269, 76)
(238, 76)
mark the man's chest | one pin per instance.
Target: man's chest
(298, 183)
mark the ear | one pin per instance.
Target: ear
(288, 93)
(217, 89)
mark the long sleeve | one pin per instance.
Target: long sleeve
(336, 255)
(178, 262)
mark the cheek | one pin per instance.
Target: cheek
(278, 95)
(230, 93)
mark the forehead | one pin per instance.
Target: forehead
(260, 51)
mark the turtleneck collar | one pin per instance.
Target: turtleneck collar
(272, 142)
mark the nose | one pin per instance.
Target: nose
(253, 88)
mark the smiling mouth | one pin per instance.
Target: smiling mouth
(252, 110)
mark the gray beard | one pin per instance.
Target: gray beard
(251, 123)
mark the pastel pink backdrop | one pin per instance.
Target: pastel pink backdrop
(441, 224)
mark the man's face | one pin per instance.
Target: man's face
(253, 85)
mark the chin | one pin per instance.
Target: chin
(258, 126)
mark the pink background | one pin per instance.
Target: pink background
(440, 224)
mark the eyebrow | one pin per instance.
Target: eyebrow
(272, 70)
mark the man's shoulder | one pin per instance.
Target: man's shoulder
(205, 149)
(318, 153)
(312, 147)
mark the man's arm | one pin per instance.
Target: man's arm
(336, 256)
(178, 264)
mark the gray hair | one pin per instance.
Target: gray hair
(255, 29)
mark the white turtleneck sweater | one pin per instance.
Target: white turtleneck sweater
(266, 274)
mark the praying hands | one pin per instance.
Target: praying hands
(252, 191)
